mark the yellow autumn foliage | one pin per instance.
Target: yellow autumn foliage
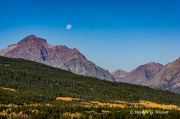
(72, 115)
(67, 98)
(109, 104)
(9, 89)
(141, 103)
(155, 105)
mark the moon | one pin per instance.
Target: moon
(68, 27)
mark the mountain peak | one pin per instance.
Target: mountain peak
(168, 78)
(150, 66)
(119, 71)
(152, 63)
(119, 74)
(32, 36)
(143, 73)
(32, 39)
(60, 56)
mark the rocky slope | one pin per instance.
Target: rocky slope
(143, 73)
(37, 49)
(119, 75)
(168, 78)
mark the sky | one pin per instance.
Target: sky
(114, 34)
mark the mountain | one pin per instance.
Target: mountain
(37, 49)
(23, 81)
(143, 73)
(168, 78)
(119, 75)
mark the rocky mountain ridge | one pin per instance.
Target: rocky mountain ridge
(60, 56)
(142, 74)
(168, 78)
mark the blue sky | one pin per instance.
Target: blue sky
(114, 34)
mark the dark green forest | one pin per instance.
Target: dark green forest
(38, 83)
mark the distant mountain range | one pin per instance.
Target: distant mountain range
(154, 75)
(37, 49)
(141, 74)
(151, 74)
(168, 78)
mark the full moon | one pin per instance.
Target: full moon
(69, 26)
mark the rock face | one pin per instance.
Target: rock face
(119, 75)
(37, 49)
(168, 78)
(143, 73)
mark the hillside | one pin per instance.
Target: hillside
(38, 83)
(143, 73)
(168, 78)
(119, 75)
(37, 49)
